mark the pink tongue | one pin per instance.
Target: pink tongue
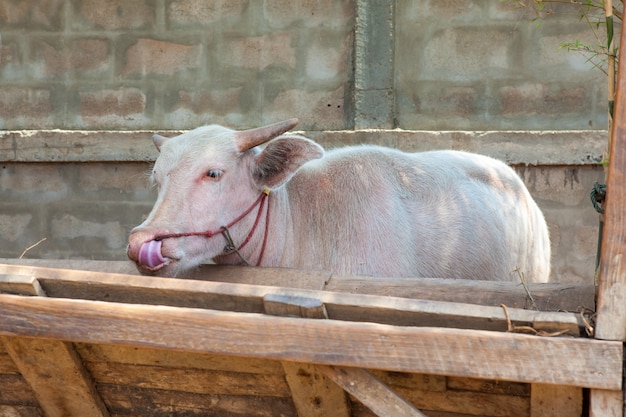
(150, 254)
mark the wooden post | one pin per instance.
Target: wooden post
(611, 306)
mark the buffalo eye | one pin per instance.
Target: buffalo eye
(214, 174)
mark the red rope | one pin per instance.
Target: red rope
(267, 224)
(210, 233)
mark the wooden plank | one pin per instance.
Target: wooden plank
(20, 284)
(555, 401)
(51, 367)
(281, 277)
(174, 359)
(249, 298)
(113, 267)
(459, 352)
(288, 305)
(467, 403)
(143, 402)
(611, 305)
(19, 411)
(311, 390)
(313, 394)
(199, 381)
(277, 277)
(16, 391)
(548, 297)
(611, 308)
(7, 366)
(604, 403)
(371, 392)
(491, 386)
(411, 381)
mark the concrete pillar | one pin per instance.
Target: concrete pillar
(374, 69)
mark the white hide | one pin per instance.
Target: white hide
(364, 210)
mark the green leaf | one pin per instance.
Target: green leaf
(609, 31)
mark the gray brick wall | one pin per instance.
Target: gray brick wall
(483, 65)
(174, 64)
(335, 64)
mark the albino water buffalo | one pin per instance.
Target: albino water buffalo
(365, 210)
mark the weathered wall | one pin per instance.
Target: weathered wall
(340, 66)
(481, 65)
(159, 64)
(335, 64)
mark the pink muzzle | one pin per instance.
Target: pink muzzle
(150, 252)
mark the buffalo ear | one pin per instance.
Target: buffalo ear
(159, 141)
(282, 158)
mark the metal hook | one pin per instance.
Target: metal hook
(231, 247)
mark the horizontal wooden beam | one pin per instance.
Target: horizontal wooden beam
(439, 351)
(546, 297)
(99, 286)
(513, 147)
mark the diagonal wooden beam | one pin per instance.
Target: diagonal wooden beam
(52, 368)
(313, 394)
(370, 391)
(309, 382)
(57, 376)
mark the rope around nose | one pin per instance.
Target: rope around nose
(223, 230)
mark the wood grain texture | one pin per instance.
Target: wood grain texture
(604, 403)
(611, 305)
(251, 299)
(16, 391)
(174, 359)
(144, 402)
(57, 377)
(371, 392)
(7, 366)
(548, 297)
(20, 284)
(555, 401)
(457, 352)
(468, 403)
(197, 381)
(20, 411)
(313, 394)
(611, 308)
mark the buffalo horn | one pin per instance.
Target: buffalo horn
(248, 139)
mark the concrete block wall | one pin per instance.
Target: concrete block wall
(156, 64)
(82, 210)
(81, 80)
(481, 65)
(335, 64)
